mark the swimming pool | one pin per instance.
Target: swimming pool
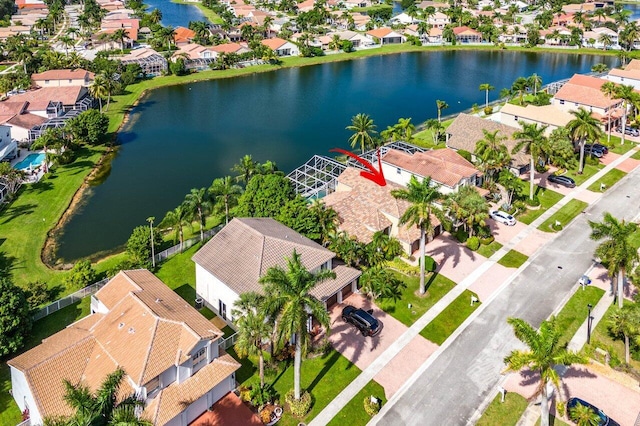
(33, 160)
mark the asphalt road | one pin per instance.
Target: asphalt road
(468, 371)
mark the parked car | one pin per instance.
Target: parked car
(593, 151)
(601, 147)
(629, 131)
(362, 320)
(502, 217)
(604, 419)
(562, 180)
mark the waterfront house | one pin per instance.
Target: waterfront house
(364, 208)
(404, 19)
(357, 39)
(57, 78)
(629, 75)
(232, 262)
(467, 35)
(385, 35)
(151, 62)
(438, 20)
(466, 130)
(183, 35)
(546, 115)
(281, 47)
(168, 350)
(594, 38)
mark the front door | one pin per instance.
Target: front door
(222, 309)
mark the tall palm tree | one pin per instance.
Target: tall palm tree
(543, 354)
(534, 81)
(440, 105)
(405, 128)
(486, 87)
(628, 95)
(253, 328)
(532, 139)
(246, 169)
(582, 128)
(155, 16)
(363, 130)
(198, 202)
(327, 219)
(67, 42)
(120, 35)
(617, 251)
(492, 153)
(422, 196)
(609, 90)
(290, 302)
(99, 89)
(224, 192)
(177, 219)
(625, 322)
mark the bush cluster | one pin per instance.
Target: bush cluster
(487, 240)
(299, 407)
(533, 203)
(473, 243)
(371, 408)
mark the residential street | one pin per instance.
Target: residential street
(449, 388)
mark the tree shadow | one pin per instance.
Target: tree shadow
(452, 249)
(17, 211)
(332, 359)
(187, 292)
(42, 186)
(6, 262)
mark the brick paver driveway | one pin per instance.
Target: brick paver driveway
(362, 350)
(455, 260)
(504, 233)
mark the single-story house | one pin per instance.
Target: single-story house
(386, 36)
(168, 351)
(57, 78)
(233, 261)
(281, 47)
(546, 115)
(183, 35)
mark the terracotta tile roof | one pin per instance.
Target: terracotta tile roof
(229, 47)
(634, 64)
(380, 32)
(246, 248)
(26, 121)
(547, 114)
(183, 34)
(633, 73)
(585, 90)
(63, 75)
(172, 400)
(39, 98)
(274, 43)
(466, 131)
(445, 166)
(465, 31)
(326, 289)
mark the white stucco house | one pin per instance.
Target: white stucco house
(168, 351)
(233, 261)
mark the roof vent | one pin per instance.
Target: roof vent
(120, 325)
(131, 330)
(158, 300)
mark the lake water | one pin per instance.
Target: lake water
(176, 14)
(635, 11)
(183, 137)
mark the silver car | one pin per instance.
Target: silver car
(502, 217)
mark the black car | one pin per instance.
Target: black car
(604, 419)
(562, 180)
(595, 150)
(362, 320)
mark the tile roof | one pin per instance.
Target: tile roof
(547, 114)
(445, 166)
(39, 98)
(585, 90)
(182, 34)
(466, 131)
(246, 248)
(229, 47)
(274, 43)
(634, 64)
(630, 73)
(326, 289)
(380, 32)
(63, 75)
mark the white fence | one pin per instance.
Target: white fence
(188, 243)
(228, 342)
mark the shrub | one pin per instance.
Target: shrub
(265, 414)
(430, 264)
(245, 393)
(484, 232)
(299, 407)
(81, 275)
(371, 408)
(592, 161)
(286, 353)
(487, 240)
(541, 168)
(561, 408)
(460, 235)
(488, 110)
(37, 294)
(533, 203)
(473, 243)
(465, 154)
(518, 205)
(261, 396)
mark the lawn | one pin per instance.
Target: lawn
(424, 138)
(450, 318)
(565, 215)
(609, 179)
(553, 421)
(636, 156)
(589, 170)
(505, 413)
(616, 146)
(437, 286)
(575, 311)
(513, 259)
(489, 249)
(547, 199)
(353, 413)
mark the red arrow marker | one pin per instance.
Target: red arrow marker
(374, 175)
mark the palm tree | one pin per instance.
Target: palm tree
(379, 283)
(246, 169)
(543, 354)
(628, 95)
(584, 416)
(290, 302)
(99, 89)
(534, 81)
(120, 35)
(155, 16)
(467, 206)
(625, 322)
(617, 251)
(405, 128)
(198, 202)
(609, 90)
(492, 153)
(440, 105)
(67, 42)
(605, 40)
(582, 128)
(49, 139)
(520, 86)
(253, 328)
(422, 196)
(486, 87)
(532, 139)
(23, 54)
(177, 219)
(224, 191)
(327, 219)
(363, 130)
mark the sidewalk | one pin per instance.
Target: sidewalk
(343, 398)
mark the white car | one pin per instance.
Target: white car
(502, 217)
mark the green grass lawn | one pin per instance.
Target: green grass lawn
(505, 413)
(437, 286)
(489, 249)
(554, 421)
(513, 259)
(424, 138)
(575, 312)
(547, 199)
(450, 318)
(353, 413)
(589, 170)
(609, 179)
(636, 156)
(616, 146)
(565, 215)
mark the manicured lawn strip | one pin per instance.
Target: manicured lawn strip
(547, 199)
(575, 312)
(505, 413)
(566, 214)
(437, 286)
(489, 249)
(353, 413)
(618, 147)
(609, 179)
(450, 318)
(513, 259)
(636, 156)
(589, 170)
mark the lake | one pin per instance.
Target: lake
(176, 14)
(183, 137)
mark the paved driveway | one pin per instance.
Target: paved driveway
(455, 260)
(504, 233)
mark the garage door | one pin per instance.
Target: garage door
(332, 300)
(346, 291)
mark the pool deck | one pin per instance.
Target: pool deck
(37, 173)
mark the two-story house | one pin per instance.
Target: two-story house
(233, 261)
(58, 78)
(167, 349)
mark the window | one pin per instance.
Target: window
(200, 356)
(46, 82)
(70, 81)
(152, 385)
(561, 102)
(515, 117)
(398, 171)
